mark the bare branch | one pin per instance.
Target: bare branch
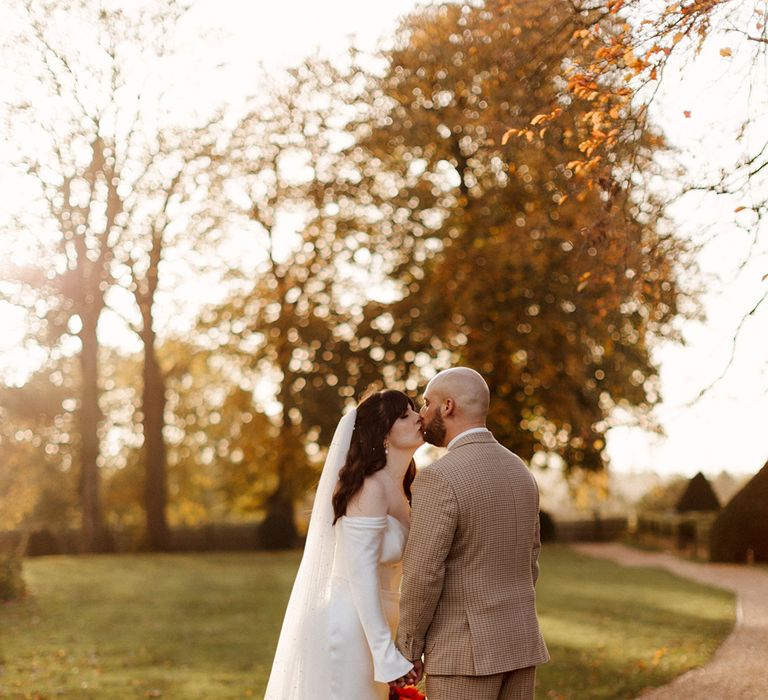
(48, 54)
(734, 343)
(130, 324)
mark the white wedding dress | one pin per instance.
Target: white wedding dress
(364, 607)
(336, 642)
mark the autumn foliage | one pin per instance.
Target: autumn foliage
(457, 198)
(503, 262)
(621, 50)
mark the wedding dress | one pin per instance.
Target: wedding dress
(365, 606)
(336, 640)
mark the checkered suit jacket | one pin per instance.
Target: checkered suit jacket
(469, 569)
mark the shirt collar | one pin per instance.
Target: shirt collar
(464, 434)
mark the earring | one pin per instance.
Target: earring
(386, 447)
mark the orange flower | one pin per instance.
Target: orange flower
(409, 692)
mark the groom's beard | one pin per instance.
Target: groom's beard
(434, 431)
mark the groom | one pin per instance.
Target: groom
(471, 563)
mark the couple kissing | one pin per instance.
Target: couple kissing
(407, 573)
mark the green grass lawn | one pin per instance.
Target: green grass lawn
(205, 626)
(613, 631)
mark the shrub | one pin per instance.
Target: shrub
(211, 537)
(740, 532)
(277, 531)
(43, 542)
(12, 585)
(664, 496)
(698, 496)
(546, 527)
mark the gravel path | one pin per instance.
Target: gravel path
(739, 668)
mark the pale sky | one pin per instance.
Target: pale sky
(725, 430)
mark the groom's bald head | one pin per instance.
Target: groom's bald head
(455, 400)
(467, 390)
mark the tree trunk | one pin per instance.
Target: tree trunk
(278, 530)
(93, 532)
(153, 422)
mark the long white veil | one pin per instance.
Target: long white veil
(300, 670)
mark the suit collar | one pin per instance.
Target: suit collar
(474, 437)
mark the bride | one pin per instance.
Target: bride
(337, 634)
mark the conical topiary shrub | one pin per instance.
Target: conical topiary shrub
(698, 496)
(740, 532)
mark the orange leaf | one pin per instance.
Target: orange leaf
(629, 58)
(726, 52)
(654, 49)
(739, 209)
(538, 119)
(678, 38)
(687, 113)
(507, 134)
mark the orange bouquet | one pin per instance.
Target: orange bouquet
(409, 692)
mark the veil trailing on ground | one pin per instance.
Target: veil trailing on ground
(300, 669)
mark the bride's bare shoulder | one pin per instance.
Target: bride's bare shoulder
(371, 499)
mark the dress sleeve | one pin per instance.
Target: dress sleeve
(362, 537)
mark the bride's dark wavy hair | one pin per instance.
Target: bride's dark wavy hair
(376, 414)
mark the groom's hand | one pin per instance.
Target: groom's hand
(415, 674)
(411, 678)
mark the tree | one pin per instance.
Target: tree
(220, 445)
(295, 175)
(626, 48)
(38, 448)
(177, 199)
(118, 182)
(481, 232)
(664, 496)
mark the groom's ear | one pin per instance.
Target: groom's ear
(449, 407)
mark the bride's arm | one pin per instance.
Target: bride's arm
(361, 533)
